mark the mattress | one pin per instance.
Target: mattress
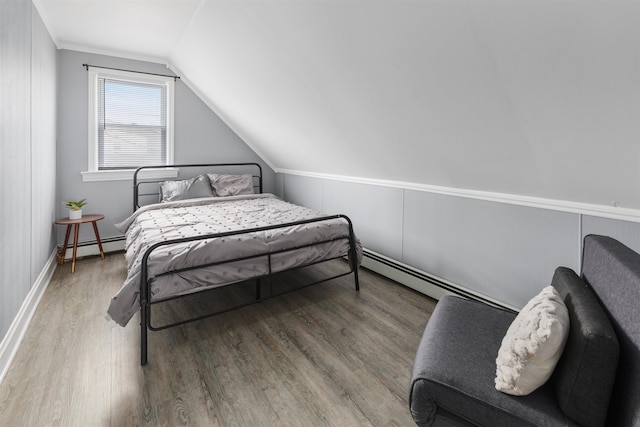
(197, 218)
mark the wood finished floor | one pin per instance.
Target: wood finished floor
(324, 355)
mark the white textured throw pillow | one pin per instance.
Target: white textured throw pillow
(533, 344)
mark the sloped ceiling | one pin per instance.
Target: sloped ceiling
(535, 98)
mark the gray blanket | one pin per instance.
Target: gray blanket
(198, 217)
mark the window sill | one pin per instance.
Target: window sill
(127, 174)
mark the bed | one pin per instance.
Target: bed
(214, 230)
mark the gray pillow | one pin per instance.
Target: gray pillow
(231, 185)
(185, 189)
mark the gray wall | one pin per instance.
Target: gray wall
(513, 97)
(27, 155)
(200, 137)
(507, 252)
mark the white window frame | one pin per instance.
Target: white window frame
(93, 173)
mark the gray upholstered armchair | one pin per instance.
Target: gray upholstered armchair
(596, 381)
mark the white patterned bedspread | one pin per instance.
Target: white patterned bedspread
(197, 217)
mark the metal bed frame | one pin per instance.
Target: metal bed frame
(145, 282)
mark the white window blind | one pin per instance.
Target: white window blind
(132, 124)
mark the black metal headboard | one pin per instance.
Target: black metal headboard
(137, 182)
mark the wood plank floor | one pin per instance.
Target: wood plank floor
(324, 355)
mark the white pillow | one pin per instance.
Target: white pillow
(533, 344)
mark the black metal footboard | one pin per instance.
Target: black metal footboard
(145, 281)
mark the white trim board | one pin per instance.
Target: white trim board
(610, 212)
(127, 174)
(90, 248)
(11, 341)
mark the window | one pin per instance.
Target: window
(130, 124)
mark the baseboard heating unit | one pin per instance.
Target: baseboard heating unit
(423, 282)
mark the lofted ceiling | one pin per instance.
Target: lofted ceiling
(520, 97)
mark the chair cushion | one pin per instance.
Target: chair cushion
(455, 365)
(586, 371)
(612, 271)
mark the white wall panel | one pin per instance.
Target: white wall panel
(376, 213)
(303, 191)
(27, 153)
(507, 252)
(43, 143)
(624, 231)
(15, 158)
(279, 185)
(503, 251)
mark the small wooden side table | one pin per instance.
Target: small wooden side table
(69, 222)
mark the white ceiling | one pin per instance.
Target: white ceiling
(516, 97)
(142, 29)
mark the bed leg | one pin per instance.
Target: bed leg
(258, 286)
(356, 279)
(143, 334)
(353, 254)
(145, 306)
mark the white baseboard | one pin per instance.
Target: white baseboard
(91, 248)
(405, 279)
(11, 342)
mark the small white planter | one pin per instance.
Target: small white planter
(77, 214)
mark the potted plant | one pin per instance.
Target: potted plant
(75, 208)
